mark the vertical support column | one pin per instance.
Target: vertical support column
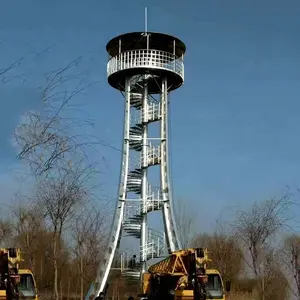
(172, 237)
(144, 162)
(115, 234)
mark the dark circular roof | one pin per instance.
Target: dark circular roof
(137, 40)
(117, 79)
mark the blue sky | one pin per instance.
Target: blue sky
(235, 136)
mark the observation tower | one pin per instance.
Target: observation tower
(145, 67)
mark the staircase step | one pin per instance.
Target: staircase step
(132, 274)
(136, 100)
(136, 129)
(134, 145)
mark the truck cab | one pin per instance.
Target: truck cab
(27, 286)
(15, 283)
(214, 288)
(184, 275)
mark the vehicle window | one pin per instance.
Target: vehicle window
(214, 286)
(26, 285)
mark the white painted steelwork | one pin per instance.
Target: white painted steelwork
(146, 59)
(145, 67)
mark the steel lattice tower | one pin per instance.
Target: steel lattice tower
(145, 67)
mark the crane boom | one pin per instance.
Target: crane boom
(175, 263)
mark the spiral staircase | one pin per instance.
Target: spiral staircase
(150, 156)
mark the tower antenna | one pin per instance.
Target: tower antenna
(146, 20)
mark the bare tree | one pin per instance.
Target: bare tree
(6, 231)
(185, 217)
(256, 229)
(28, 223)
(44, 139)
(273, 280)
(89, 233)
(5, 71)
(48, 141)
(60, 195)
(224, 251)
(290, 256)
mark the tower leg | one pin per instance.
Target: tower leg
(172, 237)
(115, 234)
(144, 194)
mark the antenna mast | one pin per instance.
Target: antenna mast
(146, 20)
(146, 27)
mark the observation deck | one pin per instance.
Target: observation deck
(140, 53)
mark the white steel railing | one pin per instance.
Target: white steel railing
(151, 157)
(155, 245)
(146, 59)
(152, 113)
(135, 207)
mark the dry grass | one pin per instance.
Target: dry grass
(240, 296)
(231, 296)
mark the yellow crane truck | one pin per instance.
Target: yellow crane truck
(15, 283)
(184, 275)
